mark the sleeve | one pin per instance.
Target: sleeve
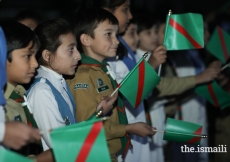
(45, 110)
(174, 85)
(2, 123)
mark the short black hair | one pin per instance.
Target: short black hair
(49, 33)
(17, 36)
(87, 20)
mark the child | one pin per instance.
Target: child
(96, 30)
(22, 46)
(53, 104)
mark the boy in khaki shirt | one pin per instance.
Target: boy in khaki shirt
(95, 31)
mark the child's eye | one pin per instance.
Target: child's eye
(71, 49)
(108, 34)
(126, 9)
(28, 56)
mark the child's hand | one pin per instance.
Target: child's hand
(140, 129)
(158, 57)
(18, 134)
(107, 103)
(207, 75)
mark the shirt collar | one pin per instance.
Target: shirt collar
(55, 74)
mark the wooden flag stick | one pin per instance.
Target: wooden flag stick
(224, 67)
(159, 70)
(197, 135)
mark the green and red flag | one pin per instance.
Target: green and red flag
(80, 142)
(8, 156)
(213, 93)
(218, 45)
(184, 31)
(182, 131)
(139, 82)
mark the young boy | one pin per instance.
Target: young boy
(96, 30)
(22, 45)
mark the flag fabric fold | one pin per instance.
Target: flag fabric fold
(184, 31)
(182, 131)
(139, 82)
(8, 156)
(84, 141)
(213, 93)
(218, 45)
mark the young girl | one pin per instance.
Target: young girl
(53, 104)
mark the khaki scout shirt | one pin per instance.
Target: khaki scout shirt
(88, 86)
(14, 110)
(175, 85)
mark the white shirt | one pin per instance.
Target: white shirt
(2, 123)
(44, 105)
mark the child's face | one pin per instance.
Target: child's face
(131, 37)
(123, 15)
(161, 34)
(22, 67)
(148, 39)
(66, 57)
(105, 42)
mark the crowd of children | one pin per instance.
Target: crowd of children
(54, 74)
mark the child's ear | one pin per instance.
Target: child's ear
(85, 40)
(46, 55)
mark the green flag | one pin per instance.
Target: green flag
(181, 131)
(218, 45)
(84, 141)
(184, 31)
(213, 93)
(139, 82)
(9, 156)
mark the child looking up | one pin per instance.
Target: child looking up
(96, 30)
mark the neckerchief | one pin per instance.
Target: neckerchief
(33, 148)
(125, 141)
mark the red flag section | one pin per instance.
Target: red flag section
(141, 82)
(89, 141)
(212, 94)
(196, 139)
(222, 42)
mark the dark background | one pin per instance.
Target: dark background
(65, 8)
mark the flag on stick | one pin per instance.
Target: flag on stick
(8, 156)
(218, 45)
(139, 82)
(182, 131)
(84, 141)
(213, 93)
(184, 31)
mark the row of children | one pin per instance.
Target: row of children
(55, 49)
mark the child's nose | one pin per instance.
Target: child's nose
(78, 55)
(34, 63)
